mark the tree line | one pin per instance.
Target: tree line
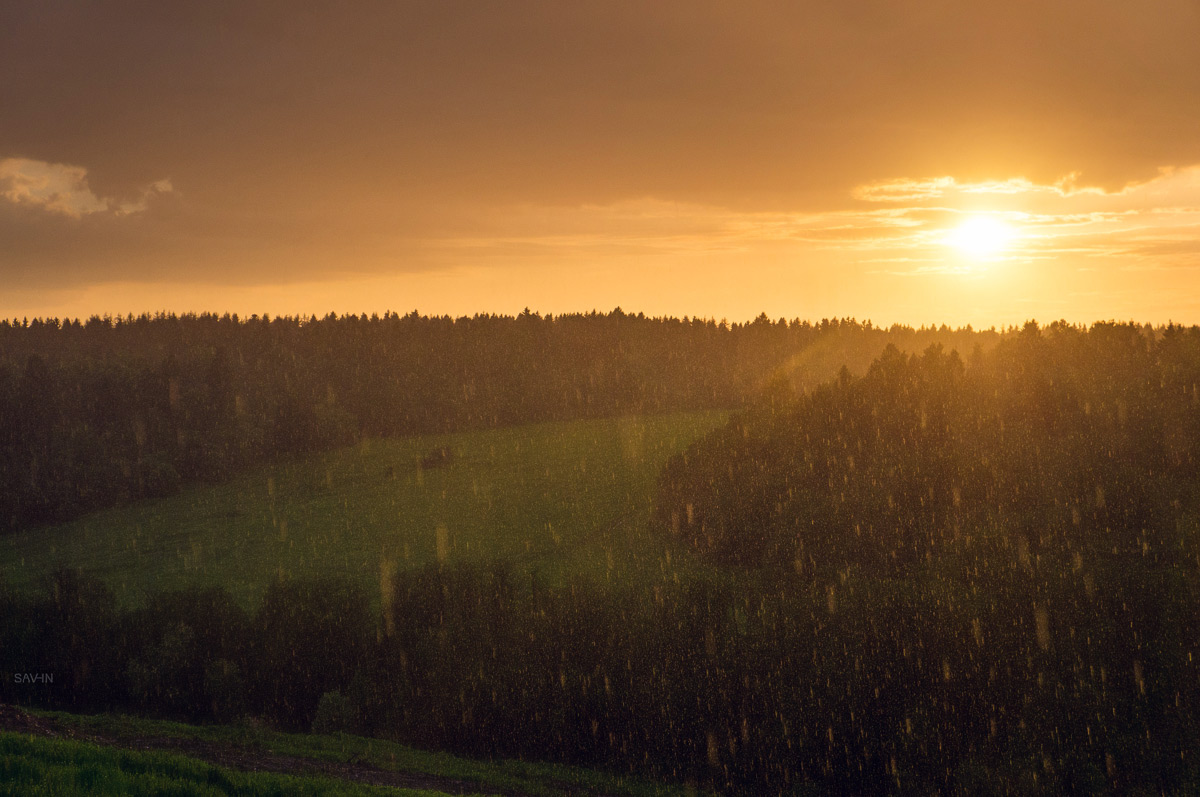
(1030, 683)
(110, 410)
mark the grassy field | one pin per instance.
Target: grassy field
(26, 758)
(33, 766)
(564, 498)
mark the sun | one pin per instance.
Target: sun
(981, 236)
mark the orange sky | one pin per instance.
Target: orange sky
(713, 159)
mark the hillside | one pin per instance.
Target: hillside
(568, 496)
(112, 411)
(1009, 549)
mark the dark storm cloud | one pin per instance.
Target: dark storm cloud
(361, 125)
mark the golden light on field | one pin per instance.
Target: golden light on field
(981, 236)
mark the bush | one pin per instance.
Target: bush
(334, 714)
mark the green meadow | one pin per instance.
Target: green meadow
(75, 765)
(32, 766)
(562, 498)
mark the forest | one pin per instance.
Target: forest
(966, 568)
(110, 410)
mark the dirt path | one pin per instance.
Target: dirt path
(245, 759)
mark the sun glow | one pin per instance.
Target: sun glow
(981, 236)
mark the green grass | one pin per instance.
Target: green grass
(505, 775)
(565, 498)
(34, 766)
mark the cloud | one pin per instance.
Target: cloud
(54, 187)
(655, 226)
(142, 201)
(903, 190)
(63, 189)
(906, 189)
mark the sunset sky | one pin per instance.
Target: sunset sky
(918, 162)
